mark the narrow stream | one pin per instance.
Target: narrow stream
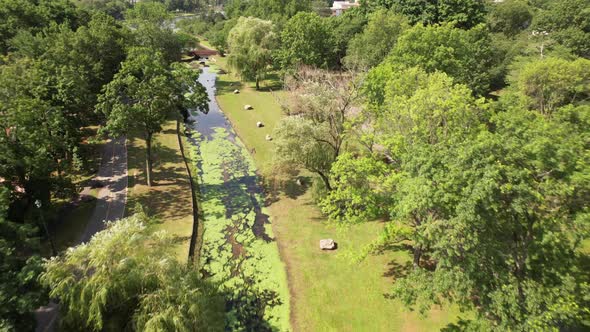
(239, 250)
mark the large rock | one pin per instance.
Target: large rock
(327, 244)
(248, 107)
(236, 91)
(259, 124)
(268, 138)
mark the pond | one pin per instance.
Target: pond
(239, 250)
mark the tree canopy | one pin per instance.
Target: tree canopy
(251, 43)
(130, 273)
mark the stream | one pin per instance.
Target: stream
(239, 250)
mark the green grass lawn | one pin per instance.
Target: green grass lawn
(328, 291)
(169, 199)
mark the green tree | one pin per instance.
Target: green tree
(493, 207)
(413, 123)
(464, 55)
(369, 48)
(144, 93)
(307, 40)
(465, 13)
(550, 83)
(511, 236)
(568, 23)
(34, 15)
(344, 27)
(509, 17)
(251, 43)
(218, 34)
(275, 10)
(127, 276)
(34, 131)
(150, 23)
(20, 292)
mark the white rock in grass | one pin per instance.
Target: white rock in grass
(236, 91)
(327, 244)
(259, 124)
(248, 107)
(268, 138)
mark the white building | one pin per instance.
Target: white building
(340, 6)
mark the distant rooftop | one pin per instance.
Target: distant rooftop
(340, 6)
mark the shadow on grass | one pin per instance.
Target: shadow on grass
(227, 86)
(169, 182)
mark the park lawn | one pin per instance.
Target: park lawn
(329, 292)
(169, 199)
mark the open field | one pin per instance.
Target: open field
(328, 291)
(169, 199)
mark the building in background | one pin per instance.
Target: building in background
(340, 7)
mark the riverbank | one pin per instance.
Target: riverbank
(169, 199)
(328, 291)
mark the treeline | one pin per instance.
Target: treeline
(463, 124)
(66, 66)
(473, 41)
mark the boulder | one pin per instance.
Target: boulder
(327, 244)
(236, 91)
(299, 182)
(259, 124)
(248, 107)
(268, 138)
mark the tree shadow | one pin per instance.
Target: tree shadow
(228, 86)
(396, 270)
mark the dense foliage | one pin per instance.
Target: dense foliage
(462, 124)
(127, 277)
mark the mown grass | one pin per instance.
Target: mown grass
(328, 291)
(169, 199)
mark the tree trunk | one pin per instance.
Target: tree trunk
(326, 180)
(417, 256)
(257, 83)
(148, 143)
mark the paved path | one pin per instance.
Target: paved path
(110, 206)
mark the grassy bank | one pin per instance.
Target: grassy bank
(169, 199)
(328, 291)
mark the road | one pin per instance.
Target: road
(110, 206)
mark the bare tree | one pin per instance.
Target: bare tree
(318, 103)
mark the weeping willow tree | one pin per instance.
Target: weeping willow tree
(127, 278)
(251, 43)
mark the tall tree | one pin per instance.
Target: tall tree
(144, 93)
(34, 134)
(549, 83)
(369, 48)
(307, 40)
(150, 23)
(419, 115)
(20, 292)
(510, 17)
(464, 55)
(251, 43)
(464, 13)
(507, 246)
(568, 23)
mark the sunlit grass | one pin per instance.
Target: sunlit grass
(169, 199)
(328, 291)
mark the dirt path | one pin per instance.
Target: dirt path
(110, 206)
